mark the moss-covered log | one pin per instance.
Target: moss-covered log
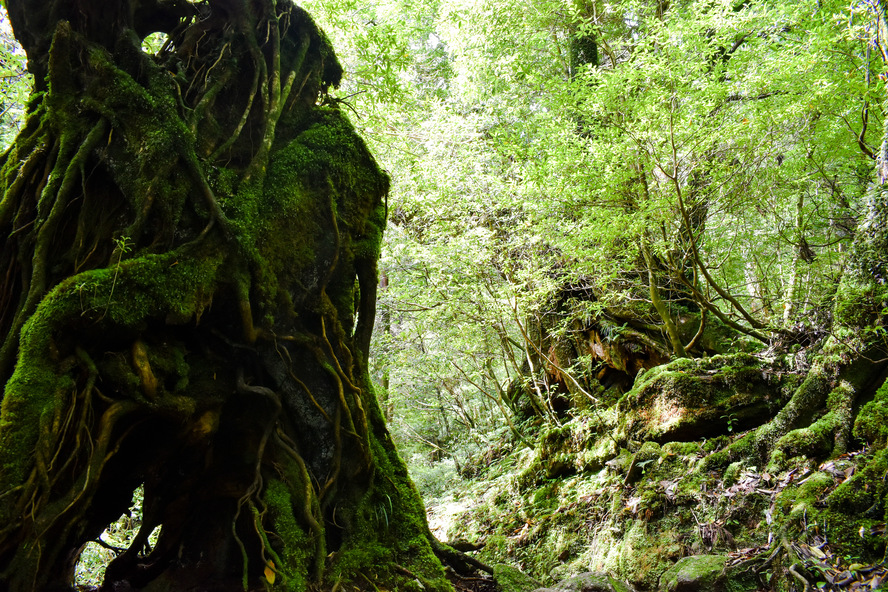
(189, 246)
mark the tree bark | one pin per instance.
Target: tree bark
(189, 242)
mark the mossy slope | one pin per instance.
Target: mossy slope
(626, 491)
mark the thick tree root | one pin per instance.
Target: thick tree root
(460, 562)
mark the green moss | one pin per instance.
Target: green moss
(149, 287)
(574, 446)
(688, 399)
(644, 462)
(799, 501)
(621, 462)
(594, 457)
(871, 425)
(319, 210)
(312, 224)
(511, 579)
(859, 302)
(149, 138)
(827, 435)
(546, 496)
(118, 370)
(387, 524)
(743, 448)
(814, 441)
(681, 448)
(296, 546)
(646, 553)
(852, 516)
(224, 181)
(168, 362)
(865, 492)
(698, 572)
(732, 473)
(847, 527)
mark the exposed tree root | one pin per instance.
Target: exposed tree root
(462, 563)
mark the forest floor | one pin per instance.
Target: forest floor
(445, 511)
(758, 530)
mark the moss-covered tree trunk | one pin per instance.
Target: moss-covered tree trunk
(189, 246)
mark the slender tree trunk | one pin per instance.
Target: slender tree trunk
(677, 347)
(388, 406)
(791, 292)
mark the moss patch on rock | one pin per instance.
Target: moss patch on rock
(695, 573)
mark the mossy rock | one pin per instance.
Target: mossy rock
(648, 454)
(594, 458)
(800, 501)
(576, 446)
(865, 493)
(856, 509)
(621, 462)
(732, 473)
(691, 399)
(871, 424)
(589, 582)
(511, 579)
(646, 552)
(696, 573)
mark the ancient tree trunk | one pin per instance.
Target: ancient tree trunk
(189, 252)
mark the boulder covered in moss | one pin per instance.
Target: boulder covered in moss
(589, 582)
(696, 573)
(512, 579)
(691, 399)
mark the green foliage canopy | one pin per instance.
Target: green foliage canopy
(722, 148)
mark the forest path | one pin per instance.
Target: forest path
(442, 512)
